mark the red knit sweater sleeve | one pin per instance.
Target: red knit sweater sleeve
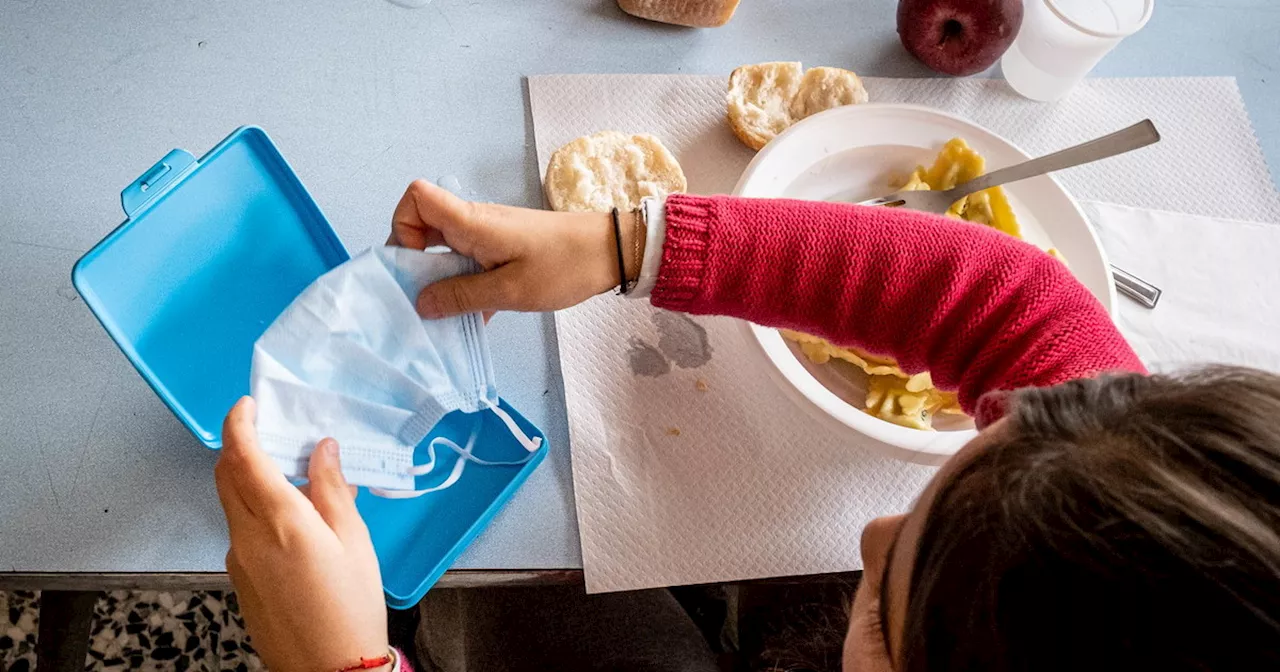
(979, 309)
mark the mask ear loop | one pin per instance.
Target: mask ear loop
(465, 454)
(430, 464)
(448, 482)
(529, 444)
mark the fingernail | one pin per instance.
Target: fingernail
(427, 305)
(328, 446)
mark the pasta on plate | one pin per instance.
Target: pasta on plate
(894, 395)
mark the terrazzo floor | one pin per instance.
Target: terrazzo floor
(144, 630)
(768, 627)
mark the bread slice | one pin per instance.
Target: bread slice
(760, 100)
(824, 88)
(766, 98)
(607, 170)
(693, 13)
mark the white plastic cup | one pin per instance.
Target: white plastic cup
(1061, 40)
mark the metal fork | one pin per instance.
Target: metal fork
(1134, 137)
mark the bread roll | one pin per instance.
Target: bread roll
(760, 100)
(766, 98)
(693, 13)
(607, 170)
(825, 88)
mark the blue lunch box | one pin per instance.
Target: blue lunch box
(210, 253)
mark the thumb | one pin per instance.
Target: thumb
(333, 498)
(482, 292)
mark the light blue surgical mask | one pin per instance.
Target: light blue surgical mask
(351, 359)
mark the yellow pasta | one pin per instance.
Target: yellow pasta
(893, 394)
(957, 163)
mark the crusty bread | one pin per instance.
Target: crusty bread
(760, 100)
(766, 98)
(607, 170)
(693, 13)
(825, 88)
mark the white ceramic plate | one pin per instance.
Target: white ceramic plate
(854, 153)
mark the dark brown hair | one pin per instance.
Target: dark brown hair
(1124, 523)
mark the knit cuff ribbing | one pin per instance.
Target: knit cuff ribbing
(685, 252)
(991, 407)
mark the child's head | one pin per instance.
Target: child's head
(1124, 523)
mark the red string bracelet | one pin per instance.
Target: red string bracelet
(370, 663)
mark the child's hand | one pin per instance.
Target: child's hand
(535, 260)
(301, 562)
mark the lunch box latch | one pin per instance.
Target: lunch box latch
(158, 179)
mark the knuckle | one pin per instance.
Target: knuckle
(460, 297)
(284, 535)
(480, 214)
(467, 213)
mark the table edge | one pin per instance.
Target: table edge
(219, 581)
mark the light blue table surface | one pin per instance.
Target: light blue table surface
(361, 96)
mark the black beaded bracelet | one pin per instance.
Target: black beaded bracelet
(622, 264)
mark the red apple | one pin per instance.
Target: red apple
(958, 37)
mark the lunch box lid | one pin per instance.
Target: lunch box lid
(211, 251)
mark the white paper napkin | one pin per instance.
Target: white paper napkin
(1219, 279)
(678, 484)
